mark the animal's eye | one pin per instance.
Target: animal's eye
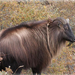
(66, 27)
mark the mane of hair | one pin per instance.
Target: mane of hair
(24, 25)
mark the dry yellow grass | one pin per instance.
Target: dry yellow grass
(12, 13)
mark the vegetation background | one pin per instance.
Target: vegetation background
(14, 12)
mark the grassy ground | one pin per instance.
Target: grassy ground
(12, 13)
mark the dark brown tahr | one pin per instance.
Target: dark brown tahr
(33, 44)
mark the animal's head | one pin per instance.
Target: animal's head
(65, 29)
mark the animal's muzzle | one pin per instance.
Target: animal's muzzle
(71, 42)
(74, 39)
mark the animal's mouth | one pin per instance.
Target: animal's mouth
(72, 41)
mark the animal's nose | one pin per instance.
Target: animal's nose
(74, 39)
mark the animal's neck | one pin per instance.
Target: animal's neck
(54, 41)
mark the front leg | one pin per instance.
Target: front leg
(36, 71)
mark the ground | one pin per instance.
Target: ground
(12, 13)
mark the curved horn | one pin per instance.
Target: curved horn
(67, 20)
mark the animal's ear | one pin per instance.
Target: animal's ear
(67, 20)
(49, 20)
(60, 25)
